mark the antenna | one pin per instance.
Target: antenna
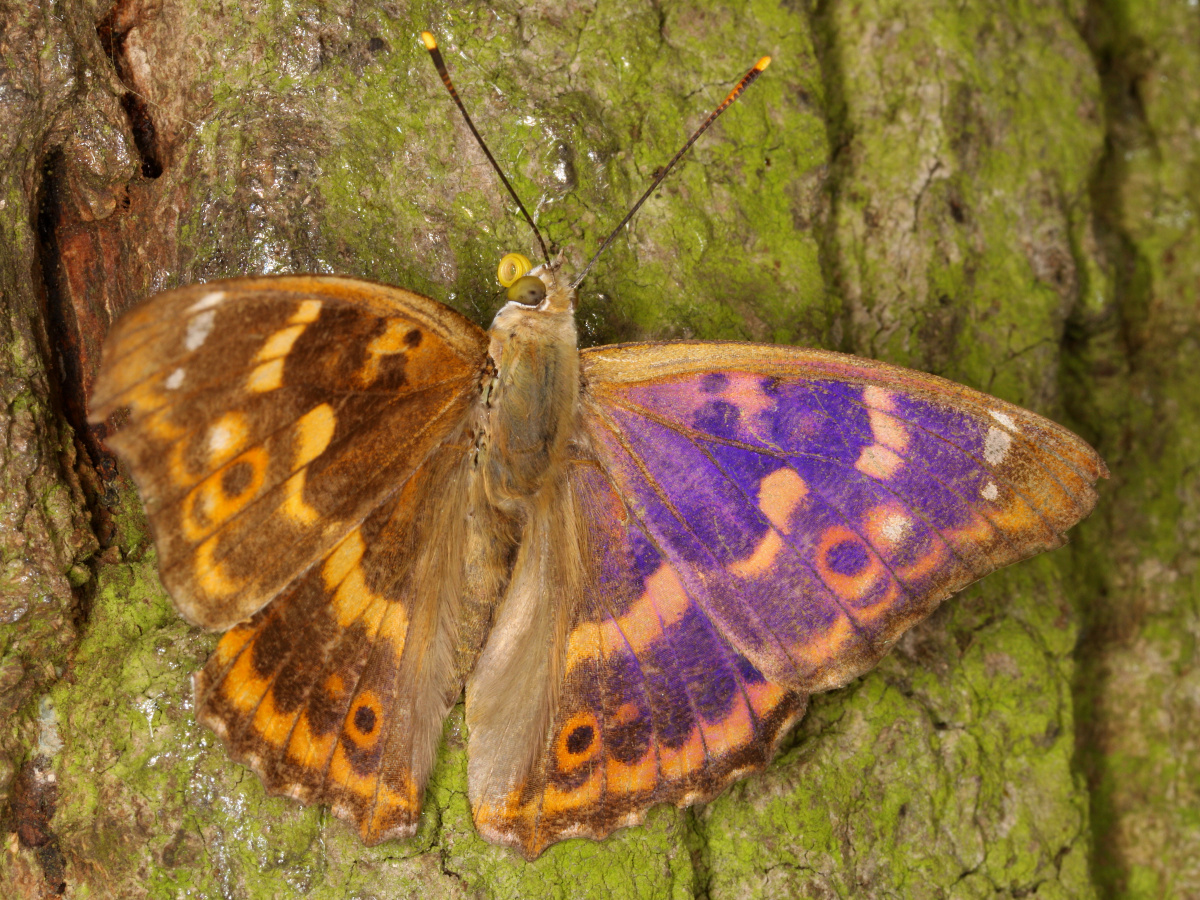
(440, 65)
(739, 88)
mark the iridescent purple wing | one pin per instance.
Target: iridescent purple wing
(759, 524)
(655, 705)
(818, 505)
(756, 525)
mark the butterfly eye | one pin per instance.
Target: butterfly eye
(528, 291)
(512, 267)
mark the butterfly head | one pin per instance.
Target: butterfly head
(532, 287)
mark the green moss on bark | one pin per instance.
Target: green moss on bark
(917, 182)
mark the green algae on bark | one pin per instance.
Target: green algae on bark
(1139, 686)
(906, 181)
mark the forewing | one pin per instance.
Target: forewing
(820, 504)
(269, 416)
(299, 444)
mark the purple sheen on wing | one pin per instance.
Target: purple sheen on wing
(686, 670)
(748, 612)
(843, 497)
(644, 557)
(848, 558)
(624, 557)
(976, 439)
(810, 520)
(720, 418)
(623, 684)
(672, 714)
(712, 507)
(747, 673)
(936, 468)
(706, 664)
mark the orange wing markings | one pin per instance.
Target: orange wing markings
(884, 457)
(691, 756)
(289, 734)
(890, 522)
(218, 583)
(1018, 515)
(1052, 446)
(669, 600)
(820, 648)
(135, 368)
(378, 808)
(880, 464)
(834, 645)
(852, 587)
(337, 767)
(228, 435)
(611, 368)
(648, 625)
(241, 686)
(307, 747)
(875, 535)
(239, 481)
(764, 697)
(738, 729)
(607, 422)
(889, 431)
(780, 495)
(641, 776)
(340, 768)
(1055, 451)
(554, 801)
(645, 774)
(250, 695)
(232, 642)
(219, 497)
(184, 316)
(269, 722)
(209, 572)
(662, 603)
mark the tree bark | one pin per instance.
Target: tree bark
(1003, 195)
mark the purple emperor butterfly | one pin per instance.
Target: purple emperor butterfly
(639, 560)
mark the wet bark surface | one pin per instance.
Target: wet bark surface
(1006, 197)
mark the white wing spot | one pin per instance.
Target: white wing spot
(895, 527)
(1004, 419)
(995, 445)
(208, 301)
(219, 438)
(990, 492)
(174, 380)
(198, 329)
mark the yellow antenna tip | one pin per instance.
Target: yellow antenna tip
(428, 40)
(762, 63)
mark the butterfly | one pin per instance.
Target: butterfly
(638, 560)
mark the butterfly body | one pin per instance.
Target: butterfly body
(639, 561)
(532, 407)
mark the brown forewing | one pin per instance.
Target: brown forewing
(269, 416)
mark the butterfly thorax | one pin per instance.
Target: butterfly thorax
(531, 405)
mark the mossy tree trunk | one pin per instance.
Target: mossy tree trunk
(1002, 194)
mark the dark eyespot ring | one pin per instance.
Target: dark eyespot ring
(528, 290)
